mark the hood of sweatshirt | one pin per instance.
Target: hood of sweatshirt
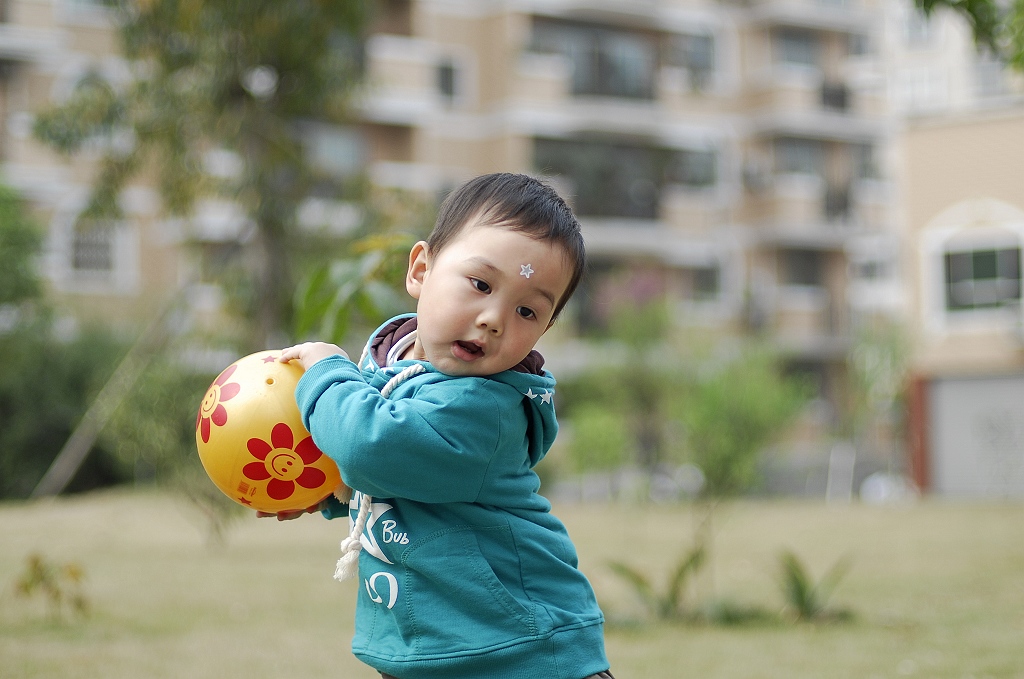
(532, 387)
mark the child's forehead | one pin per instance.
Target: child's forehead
(518, 240)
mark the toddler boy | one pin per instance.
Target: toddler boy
(464, 572)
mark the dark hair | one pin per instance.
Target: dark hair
(519, 203)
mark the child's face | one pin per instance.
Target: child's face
(485, 299)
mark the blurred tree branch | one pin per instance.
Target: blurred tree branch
(997, 25)
(242, 78)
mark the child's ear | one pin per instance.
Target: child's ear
(419, 262)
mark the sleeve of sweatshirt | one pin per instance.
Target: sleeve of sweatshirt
(433, 447)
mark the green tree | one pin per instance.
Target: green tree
(654, 405)
(20, 240)
(620, 409)
(878, 371)
(252, 81)
(997, 25)
(348, 296)
(731, 413)
(45, 382)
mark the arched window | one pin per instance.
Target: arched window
(972, 265)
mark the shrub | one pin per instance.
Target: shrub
(46, 386)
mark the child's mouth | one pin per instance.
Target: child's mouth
(467, 351)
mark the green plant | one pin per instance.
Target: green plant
(730, 613)
(60, 585)
(600, 439)
(670, 603)
(997, 26)
(153, 434)
(806, 599)
(215, 509)
(360, 290)
(20, 242)
(263, 85)
(46, 385)
(731, 413)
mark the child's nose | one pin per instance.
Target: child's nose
(490, 320)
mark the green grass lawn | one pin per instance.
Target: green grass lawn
(937, 591)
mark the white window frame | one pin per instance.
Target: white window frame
(968, 226)
(124, 276)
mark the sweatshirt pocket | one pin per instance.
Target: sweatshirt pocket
(456, 601)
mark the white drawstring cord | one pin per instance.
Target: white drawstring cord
(348, 564)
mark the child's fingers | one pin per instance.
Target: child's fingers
(291, 353)
(281, 516)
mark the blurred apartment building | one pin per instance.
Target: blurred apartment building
(730, 157)
(123, 271)
(738, 158)
(963, 230)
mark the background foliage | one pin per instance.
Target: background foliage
(250, 83)
(46, 381)
(997, 25)
(652, 405)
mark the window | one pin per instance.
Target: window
(802, 267)
(92, 247)
(919, 30)
(605, 61)
(799, 156)
(922, 88)
(446, 80)
(858, 44)
(838, 203)
(697, 169)
(706, 283)
(982, 279)
(621, 179)
(795, 46)
(865, 165)
(695, 53)
(870, 269)
(835, 96)
(990, 75)
(607, 179)
(335, 150)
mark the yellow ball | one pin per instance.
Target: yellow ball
(252, 441)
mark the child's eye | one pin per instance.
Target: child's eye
(480, 285)
(525, 312)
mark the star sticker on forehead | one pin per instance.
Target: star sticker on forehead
(525, 270)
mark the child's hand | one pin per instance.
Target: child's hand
(290, 516)
(308, 353)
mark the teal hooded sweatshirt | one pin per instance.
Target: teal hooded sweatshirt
(464, 572)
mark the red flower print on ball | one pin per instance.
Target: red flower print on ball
(284, 464)
(211, 410)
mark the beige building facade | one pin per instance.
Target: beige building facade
(964, 203)
(118, 272)
(732, 158)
